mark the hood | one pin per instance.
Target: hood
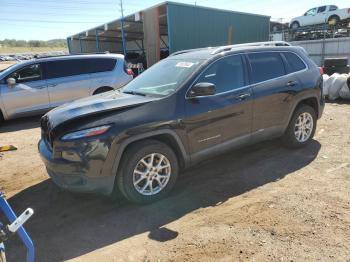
(104, 102)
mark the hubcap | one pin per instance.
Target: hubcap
(303, 127)
(151, 174)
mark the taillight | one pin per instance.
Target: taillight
(129, 72)
(348, 10)
(321, 70)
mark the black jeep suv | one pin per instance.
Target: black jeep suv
(188, 107)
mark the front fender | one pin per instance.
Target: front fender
(119, 146)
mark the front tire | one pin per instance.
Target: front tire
(295, 25)
(148, 172)
(301, 128)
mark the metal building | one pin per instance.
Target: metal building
(155, 32)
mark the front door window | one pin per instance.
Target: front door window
(27, 74)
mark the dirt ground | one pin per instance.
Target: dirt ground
(261, 203)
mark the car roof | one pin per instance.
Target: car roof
(57, 58)
(80, 56)
(208, 53)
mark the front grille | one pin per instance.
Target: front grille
(46, 131)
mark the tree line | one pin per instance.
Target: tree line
(33, 43)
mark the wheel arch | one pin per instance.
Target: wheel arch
(294, 22)
(310, 101)
(168, 137)
(334, 16)
(102, 89)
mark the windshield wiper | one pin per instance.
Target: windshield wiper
(134, 93)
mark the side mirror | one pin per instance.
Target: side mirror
(11, 82)
(202, 89)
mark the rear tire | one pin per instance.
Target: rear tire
(148, 172)
(335, 18)
(301, 127)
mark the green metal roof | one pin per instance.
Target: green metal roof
(192, 26)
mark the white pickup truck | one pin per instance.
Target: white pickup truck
(320, 15)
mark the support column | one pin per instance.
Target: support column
(123, 36)
(151, 36)
(97, 42)
(81, 47)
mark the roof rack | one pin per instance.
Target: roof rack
(190, 50)
(38, 56)
(230, 47)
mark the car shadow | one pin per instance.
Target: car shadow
(20, 124)
(338, 101)
(67, 225)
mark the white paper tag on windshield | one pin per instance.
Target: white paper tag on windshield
(184, 64)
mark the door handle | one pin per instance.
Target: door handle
(291, 83)
(52, 85)
(243, 96)
(41, 87)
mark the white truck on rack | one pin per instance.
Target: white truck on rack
(320, 15)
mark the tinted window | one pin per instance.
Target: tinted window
(227, 74)
(321, 9)
(333, 7)
(266, 66)
(27, 74)
(294, 62)
(101, 64)
(63, 68)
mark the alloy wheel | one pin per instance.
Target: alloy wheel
(151, 174)
(303, 127)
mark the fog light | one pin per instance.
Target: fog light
(71, 156)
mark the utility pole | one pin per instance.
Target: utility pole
(122, 28)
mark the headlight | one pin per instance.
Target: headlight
(86, 133)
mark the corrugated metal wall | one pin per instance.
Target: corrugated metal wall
(194, 27)
(320, 49)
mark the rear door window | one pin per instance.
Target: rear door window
(322, 9)
(96, 65)
(64, 68)
(295, 63)
(266, 66)
(227, 74)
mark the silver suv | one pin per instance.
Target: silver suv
(36, 86)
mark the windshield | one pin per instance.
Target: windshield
(163, 78)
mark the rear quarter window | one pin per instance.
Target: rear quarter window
(97, 65)
(295, 63)
(266, 66)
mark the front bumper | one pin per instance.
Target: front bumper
(84, 174)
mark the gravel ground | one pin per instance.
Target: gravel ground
(261, 203)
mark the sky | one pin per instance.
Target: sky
(52, 19)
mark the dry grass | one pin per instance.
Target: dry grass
(6, 64)
(13, 50)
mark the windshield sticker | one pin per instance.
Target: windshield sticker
(184, 64)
